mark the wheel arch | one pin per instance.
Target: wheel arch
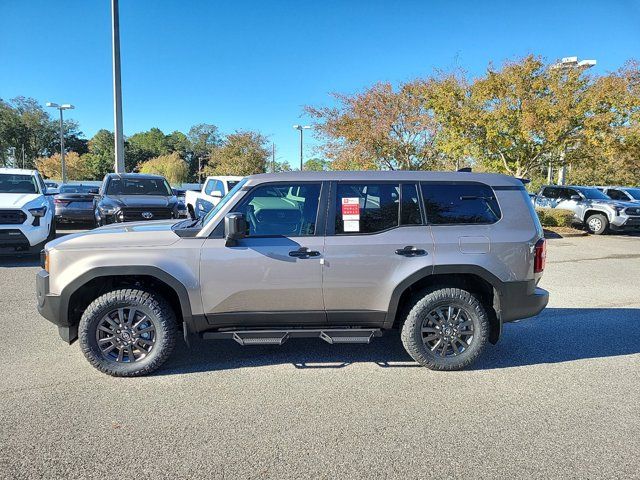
(472, 278)
(76, 296)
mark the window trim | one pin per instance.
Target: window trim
(320, 213)
(465, 182)
(332, 209)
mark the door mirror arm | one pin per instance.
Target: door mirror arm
(235, 228)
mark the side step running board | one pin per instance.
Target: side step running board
(278, 337)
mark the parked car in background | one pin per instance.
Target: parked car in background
(26, 211)
(444, 257)
(180, 194)
(132, 197)
(626, 194)
(213, 189)
(591, 207)
(74, 203)
(52, 187)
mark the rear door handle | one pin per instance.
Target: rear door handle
(304, 252)
(410, 251)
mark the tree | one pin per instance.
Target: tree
(317, 165)
(101, 157)
(170, 166)
(203, 138)
(241, 153)
(75, 166)
(26, 126)
(378, 129)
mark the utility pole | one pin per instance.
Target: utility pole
(273, 158)
(301, 128)
(567, 63)
(24, 158)
(64, 106)
(117, 88)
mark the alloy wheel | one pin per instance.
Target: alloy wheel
(447, 331)
(125, 335)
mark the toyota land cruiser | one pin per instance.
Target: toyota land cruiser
(447, 258)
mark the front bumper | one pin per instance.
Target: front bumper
(51, 307)
(624, 222)
(521, 300)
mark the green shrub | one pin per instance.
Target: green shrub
(555, 217)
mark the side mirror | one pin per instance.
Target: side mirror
(217, 193)
(575, 198)
(235, 228)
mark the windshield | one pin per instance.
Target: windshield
(593, 194)
(634, 192)
(139, 186)
(77, 189)
(224, 200)
(10, 183)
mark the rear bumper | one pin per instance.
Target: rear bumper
(521, 300)
(73, 215)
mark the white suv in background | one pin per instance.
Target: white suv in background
(26, 211)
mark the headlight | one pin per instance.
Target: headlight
(108, 210)
(39, 211)
(618, 211)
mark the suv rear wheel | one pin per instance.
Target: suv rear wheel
(597, 224)
(127, 333)
(446, 329)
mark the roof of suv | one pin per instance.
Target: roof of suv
(17, 171)
(134, 175)
(398, 175)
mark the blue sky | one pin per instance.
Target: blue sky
(255, 64)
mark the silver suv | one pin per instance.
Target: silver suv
(591, 208)
(447, 258)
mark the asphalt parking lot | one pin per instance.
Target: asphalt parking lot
(559, 396)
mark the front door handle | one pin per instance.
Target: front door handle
(304, 252)
(410, 251)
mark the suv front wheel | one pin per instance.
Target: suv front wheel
(597, 224)
(127, 333)
(446, 329)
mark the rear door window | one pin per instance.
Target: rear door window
(367, 208)
(451, 203)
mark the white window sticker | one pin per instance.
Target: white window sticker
(351, 214)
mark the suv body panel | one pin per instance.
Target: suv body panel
(353, 280)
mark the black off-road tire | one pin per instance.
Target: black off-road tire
(429, 300)
(597, 224)
(153, 306)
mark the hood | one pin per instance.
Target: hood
(17, 200)
(614, 203)
(142, 200)
(120, 235)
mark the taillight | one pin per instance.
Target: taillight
(60, 202)
(540, 258)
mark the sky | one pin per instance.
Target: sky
(256, 64)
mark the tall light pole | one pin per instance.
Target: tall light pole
(64, 106)
(567, 63)
(301, 128)
(117, 89)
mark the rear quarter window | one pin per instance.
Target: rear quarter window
(460, 203)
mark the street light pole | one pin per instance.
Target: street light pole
(64, 106)
(301, 128)
(117, 89)
(567, 63)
